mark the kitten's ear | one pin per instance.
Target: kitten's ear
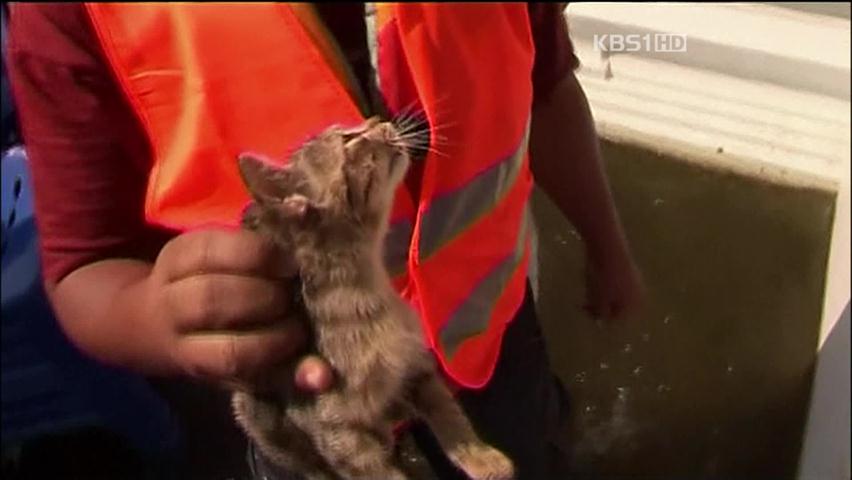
(265, 181)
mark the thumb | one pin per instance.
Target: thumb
(313, 374)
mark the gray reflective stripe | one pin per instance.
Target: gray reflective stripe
(452, 213)
(473, 316)
(397, 242)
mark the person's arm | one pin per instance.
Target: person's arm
(213, 306)
(125, 293)
(566, 163)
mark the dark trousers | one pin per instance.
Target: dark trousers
(523, 411)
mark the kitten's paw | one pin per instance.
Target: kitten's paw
(483, 462)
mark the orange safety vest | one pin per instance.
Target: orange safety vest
(210, 81)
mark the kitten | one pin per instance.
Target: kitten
(329, 206)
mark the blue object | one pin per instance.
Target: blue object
(48, 386)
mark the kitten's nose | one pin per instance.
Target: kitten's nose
(381, 132)
(372, 122)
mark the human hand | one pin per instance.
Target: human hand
(219, 300)
(614, 285)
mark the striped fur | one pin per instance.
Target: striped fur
(329, 207)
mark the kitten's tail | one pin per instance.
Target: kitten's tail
(281, 441)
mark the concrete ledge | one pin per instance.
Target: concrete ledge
(794, 49)
(685, 105)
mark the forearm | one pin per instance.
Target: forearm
(566, 163)
(102, 309)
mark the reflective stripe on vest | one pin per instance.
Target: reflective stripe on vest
(472, 317)
(450, 214)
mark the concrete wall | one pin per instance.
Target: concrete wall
(725, 160)
(831, 9)
(713, 379)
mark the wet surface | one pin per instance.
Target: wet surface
(712, 380)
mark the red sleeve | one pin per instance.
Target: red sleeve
(88, 154)
(554, 52)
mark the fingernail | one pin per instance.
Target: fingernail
(313, 378)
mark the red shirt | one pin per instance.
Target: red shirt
(88, 153)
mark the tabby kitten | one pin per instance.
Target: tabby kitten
(329, 206)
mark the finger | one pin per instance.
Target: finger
(313, 374)
(238, 252)
(225, 302)
(238, 357)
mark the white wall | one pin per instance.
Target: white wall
(825, 455)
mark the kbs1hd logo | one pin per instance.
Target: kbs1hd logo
(635, 42)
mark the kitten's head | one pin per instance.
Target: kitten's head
(341, 181)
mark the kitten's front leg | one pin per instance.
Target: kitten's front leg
(436, 405)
